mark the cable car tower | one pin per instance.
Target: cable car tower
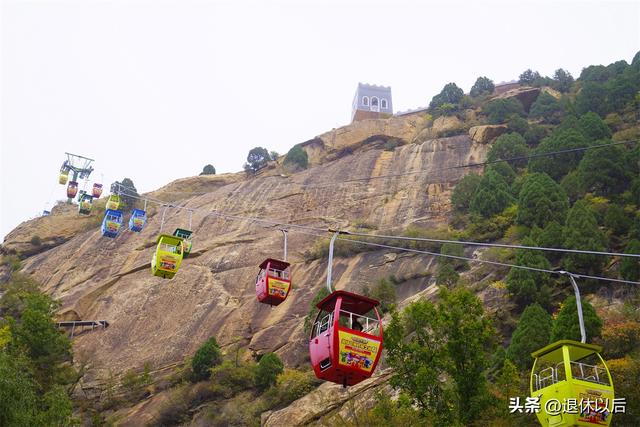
(79, 165)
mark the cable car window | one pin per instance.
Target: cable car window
(590, 369)
(324, 322)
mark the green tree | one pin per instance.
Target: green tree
(208, 170)
(267, 371)
(547, 108)
(551, 237)
(528, 286)
(483, 85)
(532, 333)
(500, 110)
(581, 232)
(630, 267)
(604, 171)
(566, 325)
(450, 94)
(504, 170)
(446, 275)
(464, 191)
(541, 200)
(127, 190)
(492, 196)
(297, 156)
(573, 186)
(563, 80)
(592, 97)
(559, 165)
(617, 220)
(384, 292)
(528, 77)
(18, 402)
(509, 146)
(593, 127)
(518, 124)
(534, 134)
(257, 159)
(206, 357)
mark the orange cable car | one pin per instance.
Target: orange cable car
(346, 338)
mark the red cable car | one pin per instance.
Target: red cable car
(72, 189)
(346, 340)
(273, 282)
(96, 191)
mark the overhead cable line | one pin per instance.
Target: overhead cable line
(316, 230)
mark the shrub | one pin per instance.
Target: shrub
(256, 159)
(290, 385)
(630, 267)
(269, 367)
(297, 156)
(208, 170)
(313, 310)
(499, 110)
(207, 356)
(547, 108)
(36, 241)
(229, 378)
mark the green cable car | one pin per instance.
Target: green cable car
(113, 202)
(186, 235)
(168, 256)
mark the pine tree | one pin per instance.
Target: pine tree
(559, 165)
(481, 86)
(604, 171)
(593, 127)
(630, 267)
(547, 108)
(464, 191)
(527, 286)
(581, 232)
(566, 325)
(541, 200)
(532, 333)
(492, 196)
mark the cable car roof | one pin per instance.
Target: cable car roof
(168, 238)
(577, 350)
(275, 263)
(357, 304)
(113, 212)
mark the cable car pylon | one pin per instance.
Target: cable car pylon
(571, 371)
(345, 343)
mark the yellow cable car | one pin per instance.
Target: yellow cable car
(575, 375)
(113, 202)
(168, 256)
(63, 177)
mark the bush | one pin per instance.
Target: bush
(208, 170)
(207, 356)
(269, 367)
(532, 333)
(229, 378)
(499, 110)
(36, 241)
(290, 385)
(547, 108)
(297, 156)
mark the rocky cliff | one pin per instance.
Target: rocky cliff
(161, 322)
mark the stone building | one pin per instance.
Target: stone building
(371, 101)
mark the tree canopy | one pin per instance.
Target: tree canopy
(541, 200)
(492, 196)
(581, 231)
(500, 110)
(464, 191)
(205, 358)
(297, 156)
(483, 85)
(257, 159)
(527, 286)
(208, 170)
(532, 333)
(547, 108)
(450, 94)
(509, 146)
(559, 165)
(566, 325)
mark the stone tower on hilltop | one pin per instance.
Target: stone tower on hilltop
(371, 101)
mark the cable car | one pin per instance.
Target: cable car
(72, 189)
(113, 202)
(273, 282)
(346, 338)
(63, 177)
(138, 220)
(112, 223)
(96, 191)
(186, 235)
(566, 370)
(167, 257)
(85, 204)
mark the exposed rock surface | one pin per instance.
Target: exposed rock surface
(487, 133)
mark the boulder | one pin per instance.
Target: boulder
(486, 133)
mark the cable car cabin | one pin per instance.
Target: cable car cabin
(346, 338)
(112, 223)
(572, 370)
(63, 177)
(85, 204)
(273, 282)
(113, 202)
(186, 235)
(96, 191)
(72, 189)
(167, 257)
(138, 220)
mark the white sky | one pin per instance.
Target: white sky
(154, 90)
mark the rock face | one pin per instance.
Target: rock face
(164, 321)
(487, 133)
(526, 95)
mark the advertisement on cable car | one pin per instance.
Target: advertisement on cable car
(278, 288)
(113, 226)
(357, 351)
(168, 263)
(594, 406)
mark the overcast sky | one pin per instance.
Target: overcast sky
(154, 90)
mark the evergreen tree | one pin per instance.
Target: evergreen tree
(518, 124)
(541, 200)
(563, 80)
(464, 191)
(617, 220)
(528, 77)
(527, 286)
(551, 237)
(483, 85)
(592, 97)
(593, 127)
(566, 325)
(267, 371)
(297, 156)
(500, 110)
(559, 165)
(206, 357)
(257, 159)
(504, 170)
(604, 171)
(531, 334)
(450, 94)
(572, 185)
(581, 232)
(492, 196)
(535, 134)
(547, 108)
(509, 146)
(208, 170)
(630, 267)
(446, 275)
